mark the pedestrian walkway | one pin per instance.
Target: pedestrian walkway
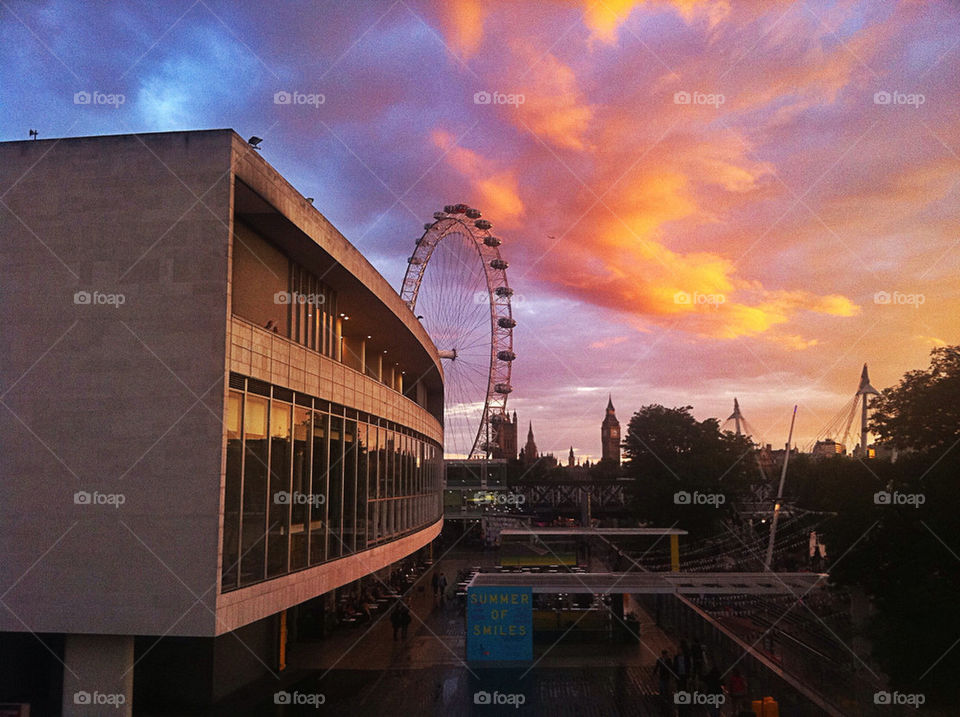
(364, 671)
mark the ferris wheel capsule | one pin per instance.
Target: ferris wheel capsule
(506, 355)
(416, 260)
(503, 291)
(439, 215)
(428, 226)
(503, 388)
(450, 209)
(460, 208)
(482, 224)
(473, 213)
(505, 322)
(499, 264)
(492, 241)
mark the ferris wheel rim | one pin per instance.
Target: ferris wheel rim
(465, 221)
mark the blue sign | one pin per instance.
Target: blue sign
(499, 624)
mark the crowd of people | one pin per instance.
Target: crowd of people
(691, 670)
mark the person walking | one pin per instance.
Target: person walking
(442, 585)
(405, 619)
(681, 666)
(737, 686)
(435, 583)
(713, 685)
(663, 672)
(400, 619)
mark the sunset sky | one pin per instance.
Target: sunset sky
(698, 200)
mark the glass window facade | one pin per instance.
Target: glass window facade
(271, 290)
(308, 481)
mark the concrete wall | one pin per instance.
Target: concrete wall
(112, 400)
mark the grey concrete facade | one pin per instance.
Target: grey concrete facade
(119, 336)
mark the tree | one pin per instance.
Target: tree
(903, 552)
(922, 412)
(686, 473)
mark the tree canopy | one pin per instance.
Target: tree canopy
(686, 472)
(923, 411)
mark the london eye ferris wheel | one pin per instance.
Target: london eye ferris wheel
(456, 283)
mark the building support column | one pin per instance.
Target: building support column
(98, 676)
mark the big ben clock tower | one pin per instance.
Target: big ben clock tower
(610, 435)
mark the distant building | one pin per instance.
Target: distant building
(827, 448)
(610, 435)
(770, 461)
(529, 454)
(506, 443)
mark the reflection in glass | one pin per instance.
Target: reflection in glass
(254, 490)
(278, 548)
(335, 489)
(349, 530)
(318, 510)
(231, 491)
(301, 495)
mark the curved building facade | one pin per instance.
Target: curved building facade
(218, 411)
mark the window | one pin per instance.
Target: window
(349, 486)
(254, 516)
(302, 496)
(335, 489)
(318, 510)
(305, 486)
(231, 494)
(278, 548)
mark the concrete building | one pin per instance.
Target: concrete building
(216, 412)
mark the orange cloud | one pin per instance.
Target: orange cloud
(554, 108)
(462, 25)
(496, 190)
(605, 18)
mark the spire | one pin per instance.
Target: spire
(514, 416)
(865, 387)
(530, 433)
(736, 416)
(736, 411)
(610, 402)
